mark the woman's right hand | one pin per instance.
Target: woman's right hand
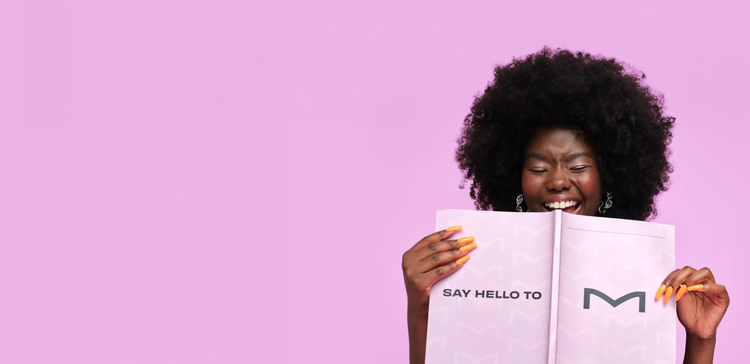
(430, 260)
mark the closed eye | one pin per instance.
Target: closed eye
(578, 168)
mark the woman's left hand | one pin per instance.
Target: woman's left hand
(701, 302)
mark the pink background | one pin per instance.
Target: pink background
(229, 182)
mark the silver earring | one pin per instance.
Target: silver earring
(519, 201)
(605, 205)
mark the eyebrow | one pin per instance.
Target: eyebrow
(569, 158)
(578, 155)
(539, 156)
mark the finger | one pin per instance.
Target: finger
(443, 271)
(715, 292)
(437, 259)
(441, 246)
(704, 275)
(432, 244)
(688, 282)
(691, 282)
(681, 292)
(676, 279)
(665, 285)
(410, 257)
(435, 237)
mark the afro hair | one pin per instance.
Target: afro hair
(622, 119)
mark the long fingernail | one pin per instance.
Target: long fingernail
(463, 260)
(467, 247)
(661, 290)
(696, 287)
(668, 294)
(454, 228)
(465, 240)
(680, 292)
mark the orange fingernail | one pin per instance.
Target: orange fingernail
(668, 294)
(465, 240)
(454, 228)
(467, 247)
(661, 290)
(680, 292)
(696, 287)
(462, 260)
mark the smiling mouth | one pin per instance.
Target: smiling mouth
(566, 206)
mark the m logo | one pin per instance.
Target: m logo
(587, 292)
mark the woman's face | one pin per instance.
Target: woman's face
(560, 172)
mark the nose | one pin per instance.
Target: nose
(558, 181)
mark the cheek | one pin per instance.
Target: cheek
(532, 188)
(590, 187)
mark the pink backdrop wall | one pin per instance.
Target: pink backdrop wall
(235, 182)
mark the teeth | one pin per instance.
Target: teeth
(560, 205)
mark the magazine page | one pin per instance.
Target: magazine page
(496, 308)
(610, 270)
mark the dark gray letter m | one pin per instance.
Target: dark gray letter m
(587, 292)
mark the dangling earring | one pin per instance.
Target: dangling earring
(519, 201)
(605, 205)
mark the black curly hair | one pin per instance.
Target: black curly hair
(622, 119)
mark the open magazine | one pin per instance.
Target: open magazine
(554, 287)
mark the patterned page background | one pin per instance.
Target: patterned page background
(514, 254)
(615, 257)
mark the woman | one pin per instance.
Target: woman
(582, 129)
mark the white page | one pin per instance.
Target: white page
(615, 257)
(514, 254)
